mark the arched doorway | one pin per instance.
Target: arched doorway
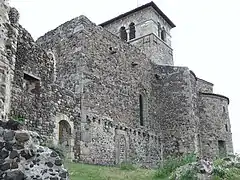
(65, 135)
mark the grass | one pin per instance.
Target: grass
(93, 172)
(172, 163)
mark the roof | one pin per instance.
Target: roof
(150, 4)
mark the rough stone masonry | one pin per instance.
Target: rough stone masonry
(110, 93)
(22, 157)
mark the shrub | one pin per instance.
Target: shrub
(172, 163)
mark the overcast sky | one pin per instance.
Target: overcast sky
(206, 38)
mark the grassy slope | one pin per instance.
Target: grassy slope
(91, 172)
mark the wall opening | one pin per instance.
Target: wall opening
(141, 109)
(31, 84)
(163, 35)
(226, 127)
(65, 135)
(222, 148)
(132, 31)
(159, 30)
(123, 33)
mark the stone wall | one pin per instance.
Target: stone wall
(172, 92)
(215, 125)
(204, 86)
(155, 49)
(110, 142)
(8, 42)
(146, 22)
(22, 157)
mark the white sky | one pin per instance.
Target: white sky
(206, 37)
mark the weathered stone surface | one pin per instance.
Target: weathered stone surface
(13, 154)
(8, 135)
(22, 136)
(23, 163)
(105, 101)
(3, 154)
(14, 175)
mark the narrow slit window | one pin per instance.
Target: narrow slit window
(226, 127)
(141, 109)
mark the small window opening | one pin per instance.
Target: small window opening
(123, 33)
(222, 148)
(226, 127)
(224, 109)
(31, 84)
(163, 35)
(141, 109)
(132, 31)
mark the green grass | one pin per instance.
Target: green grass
(93, 172)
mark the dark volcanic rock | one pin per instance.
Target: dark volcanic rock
(22, 136)
(8, 135)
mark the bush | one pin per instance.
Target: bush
(172, 163)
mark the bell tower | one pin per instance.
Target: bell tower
(148, 28)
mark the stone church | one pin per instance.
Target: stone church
(110, 93)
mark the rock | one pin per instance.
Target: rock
(8, 146)
(26, 154)
(49, 164)
(14, 175)
(13, 125)
(14, 165)
(22, 136)
(4, 154)
(58, 162)
(5, 166)
(13, 154)
(2, 145)
(8, 135)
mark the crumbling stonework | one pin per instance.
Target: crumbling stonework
(22, 157)
(108, 101)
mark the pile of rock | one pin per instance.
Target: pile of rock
(22, 157)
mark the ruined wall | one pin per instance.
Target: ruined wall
(172, 91)
(8, 40)
(22, 157)
(215, 125)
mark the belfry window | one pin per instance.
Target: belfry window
(163, 35)
(123, 33)
(132, 31)
(159, 30)
(141, 109)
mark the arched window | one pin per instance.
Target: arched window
(132, 31)
(123, 33)
(159, 30)
(163, 35)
